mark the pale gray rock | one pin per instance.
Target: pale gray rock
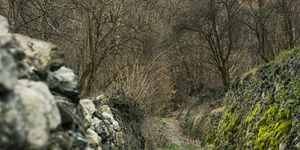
(8, 71)
(40, 112)
(89, 105)
(95, 121)
(106, 108)
(116, 125)
(104, 124)
(40, 55)
(12, 130)
(93, 138)
(87, 117)
(107, 117)
(99, 127)
(64, 81)
(3, 25)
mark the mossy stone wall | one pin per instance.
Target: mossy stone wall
(263, 108)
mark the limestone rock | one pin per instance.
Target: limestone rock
(3, 25)
(64, 81)
(95, 121)
(12, 123)
(66, 109)
(116, 125)
(105, 108)
(99, 128)
(40, 112)
(87, 117)
(108, 117)
(93, 138)
(88, 105)
(38, 53)
(8, 71)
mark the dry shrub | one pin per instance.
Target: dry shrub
(130, 116)
(155, 139)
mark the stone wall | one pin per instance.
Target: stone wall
(40, 105)
(261, 110)
(263, 107)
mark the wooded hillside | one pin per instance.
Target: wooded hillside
(159, 51)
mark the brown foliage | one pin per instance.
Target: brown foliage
(158, 51)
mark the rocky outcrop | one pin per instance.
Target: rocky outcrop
(40, 105)
(263, 107)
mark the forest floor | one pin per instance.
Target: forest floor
(177, 141)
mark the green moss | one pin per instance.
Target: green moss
(273, 119)
(285, 53)
(227, 128)
(273, 127)
(231, 119)
(209, 138)
(253, 114)
(218, 110)
(249, 73)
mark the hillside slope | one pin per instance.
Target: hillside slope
(263, 107)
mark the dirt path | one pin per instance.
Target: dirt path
(175, 135)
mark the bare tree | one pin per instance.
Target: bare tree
(219, 26)
(288, 22)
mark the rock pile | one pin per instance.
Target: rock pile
(103, 130)
(40, 105)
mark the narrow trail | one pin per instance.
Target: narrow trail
(174, 134)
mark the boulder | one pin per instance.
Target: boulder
(93, 138)
(64, 81)
(40, 55)
(88, 105)
(8, 71)
(41, 114)
(3, 26)
(87, 117)
(12, 122)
